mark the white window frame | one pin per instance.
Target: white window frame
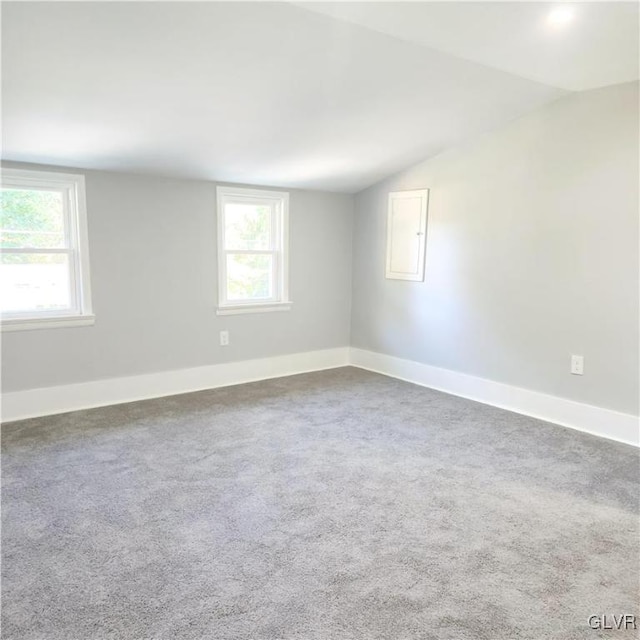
(72, 187)
(278, 201)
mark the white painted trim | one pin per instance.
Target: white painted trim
(395, 196)
(278, 201)
(52, 322)
(622, 427)
(18, 405)
(81, 241)
(72, 185)
(253, 308)
(597, 421)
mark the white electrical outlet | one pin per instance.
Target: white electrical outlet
(577, 365)
(224, 338)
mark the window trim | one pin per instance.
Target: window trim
(280, 301)
(73, 186)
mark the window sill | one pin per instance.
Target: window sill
(52, 322)
(232, 310)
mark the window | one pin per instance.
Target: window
(44, 266)
(406, 234)
(252, 250)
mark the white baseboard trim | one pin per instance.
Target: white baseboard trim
(597, 421)
(18, 405)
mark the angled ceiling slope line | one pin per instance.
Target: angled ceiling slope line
(573, 46)
(255, 93)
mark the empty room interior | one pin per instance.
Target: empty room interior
(320, 320)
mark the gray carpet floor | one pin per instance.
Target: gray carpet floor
(334, 505)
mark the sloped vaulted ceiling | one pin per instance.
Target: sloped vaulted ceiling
(315, 96)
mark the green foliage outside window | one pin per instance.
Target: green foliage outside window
(248, 227)
(30, 218)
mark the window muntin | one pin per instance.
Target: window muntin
(44, 257)
(252, 247)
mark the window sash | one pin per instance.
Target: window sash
(65, 191)
(26, 250)
(74, 237)
(275, 277)
(74, 307)
(276, 201)
(258, 202)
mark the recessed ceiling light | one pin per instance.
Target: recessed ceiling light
(560, 16)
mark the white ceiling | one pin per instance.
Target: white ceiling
(597, 47)
(271, 93)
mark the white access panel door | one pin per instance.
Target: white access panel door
(407, 234)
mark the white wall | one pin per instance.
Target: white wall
(154, 286)
(532, 255)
